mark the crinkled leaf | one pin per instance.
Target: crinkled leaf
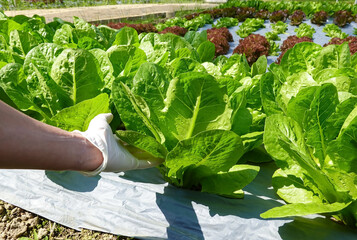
(343, 150)
(299, 104)
(302, 57)
(157, 45)
(77, 73)
(251, 87)
(290, 187)
(230, 183)
(268, 91)
(108, 33)
(42, 56)
(344, 79)
(143, 111)
(151, 83)
(260, 66)
(37, 66)
(22, 42)
(212, 69)
(64, 36)
(126, 36)
(284, 141)
(294, 83)
(195, 102)
(333, 56)
(203, 155)
(184, 65)
(338, 118)
(143, 142)
(12, 81)
(206, 51)
(83, 29)
(236, 66)
(316, 124)
(253, 141)
(128, 58)
(130, 114)
(196, 38)
(106, 66)
(79, 116)
(345, 183)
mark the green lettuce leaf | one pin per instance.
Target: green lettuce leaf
(206, 51)
(79, 116)
(77, 73)
(302, 209)
(202, 156)
(126, 36)
(195, 102)
(143, 142)
(230, 183)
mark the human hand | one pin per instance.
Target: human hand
(117, 156)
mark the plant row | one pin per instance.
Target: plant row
(212, 119)
(318, 11)
(252, 50)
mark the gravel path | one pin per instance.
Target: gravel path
(16, 223)
(111, 12)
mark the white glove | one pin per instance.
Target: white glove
(116, 158)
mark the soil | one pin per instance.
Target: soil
(16, 223)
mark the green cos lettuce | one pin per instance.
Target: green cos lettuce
(175, 100)
(195, 119)
(310, 131)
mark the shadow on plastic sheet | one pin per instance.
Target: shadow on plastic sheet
(73, 181)
(177, 205)
(179, 213)
(317, 228)
(150, 175)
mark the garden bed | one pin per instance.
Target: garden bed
(218, 105)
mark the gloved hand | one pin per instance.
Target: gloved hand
(116, 155)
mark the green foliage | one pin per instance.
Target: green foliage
(333, 31)
(198, 22)
(311, 102)
(272, 36)
(226, 22)
(186, 113)
(249, 26)
(279, 27)
(304, 30)
(274, 48)
(191, 25)
(308, 7)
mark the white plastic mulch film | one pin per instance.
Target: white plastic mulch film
(141, 204)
